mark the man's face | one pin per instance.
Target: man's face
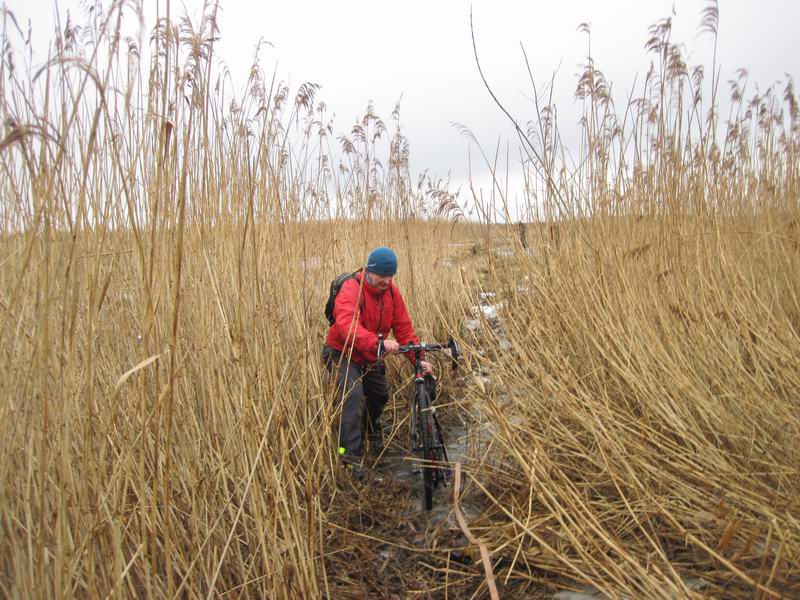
(380, 282)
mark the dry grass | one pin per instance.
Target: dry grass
(165, 421)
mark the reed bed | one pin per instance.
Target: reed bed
(167, 245)
(644, 423)
(645, 381)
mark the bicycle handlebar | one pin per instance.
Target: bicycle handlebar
(452, 345)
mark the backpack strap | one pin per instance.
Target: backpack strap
(363, 303)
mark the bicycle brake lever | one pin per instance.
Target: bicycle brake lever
(455, 353)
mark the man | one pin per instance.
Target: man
(367, 305)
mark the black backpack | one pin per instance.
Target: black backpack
(336, 286)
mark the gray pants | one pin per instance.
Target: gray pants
(365, 392)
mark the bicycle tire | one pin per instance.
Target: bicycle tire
(440, 450)
(425, 428)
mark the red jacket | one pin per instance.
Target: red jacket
(362, 313)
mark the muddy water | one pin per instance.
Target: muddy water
(397, 463)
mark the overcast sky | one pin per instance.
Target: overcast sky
(378, 51)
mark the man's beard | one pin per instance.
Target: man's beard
(380, 285)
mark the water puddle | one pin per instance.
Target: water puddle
(589, 592)
(396, 463)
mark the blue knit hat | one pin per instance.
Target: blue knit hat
(382, 261)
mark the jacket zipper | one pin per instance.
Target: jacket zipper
(380, 310)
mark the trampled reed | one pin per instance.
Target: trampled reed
(165, 419)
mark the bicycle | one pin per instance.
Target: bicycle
(427, 440)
